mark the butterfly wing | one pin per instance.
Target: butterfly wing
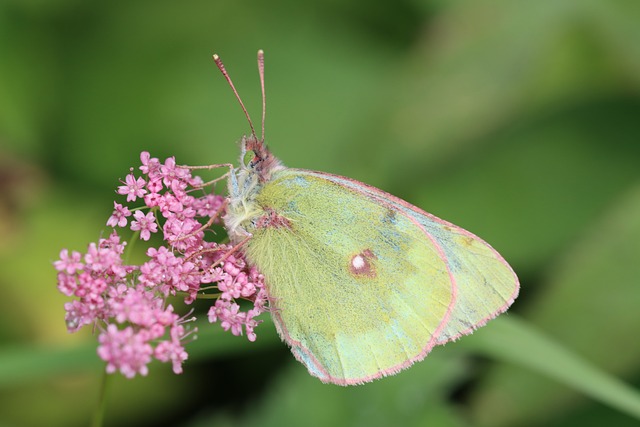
(364, 284)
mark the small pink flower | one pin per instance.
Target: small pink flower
(125, 351)
(178, 185)
(176, 230)
(216, 275)
(119, 216)
(233, 265)
(67, 284)
(152, 199)
(260, 302)
(150, 166)
(133, 188)
(250, 323)
(173, 350)
(113, 243)
(154, 185)
(233, 319)
(145, 223)
(209, 205)
(83, 312)
(229, 315)
(173, 174)
(232, 289)
(75, 316)
(103, 258)
(90, 284)
(215, 311)
(69, 263)
(169, 204)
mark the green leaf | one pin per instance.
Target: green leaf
(512, 340)
(590, 305)
(414, 397)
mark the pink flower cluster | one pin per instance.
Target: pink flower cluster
(128, 303)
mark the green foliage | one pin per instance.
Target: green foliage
(517, 121)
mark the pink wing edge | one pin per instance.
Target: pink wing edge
(382, 197)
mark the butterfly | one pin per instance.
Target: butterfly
(361, 283)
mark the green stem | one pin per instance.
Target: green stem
(98, 415)
(209, 296)
(128, 250)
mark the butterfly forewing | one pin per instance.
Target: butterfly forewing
(359, 289)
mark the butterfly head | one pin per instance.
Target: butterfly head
(256, 158)
(257, 165)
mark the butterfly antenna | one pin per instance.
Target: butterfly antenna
(264, 98)
(223, 70)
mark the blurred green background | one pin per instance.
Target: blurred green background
(519, 121)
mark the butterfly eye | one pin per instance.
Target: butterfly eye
(250, 159)
(254, 162)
